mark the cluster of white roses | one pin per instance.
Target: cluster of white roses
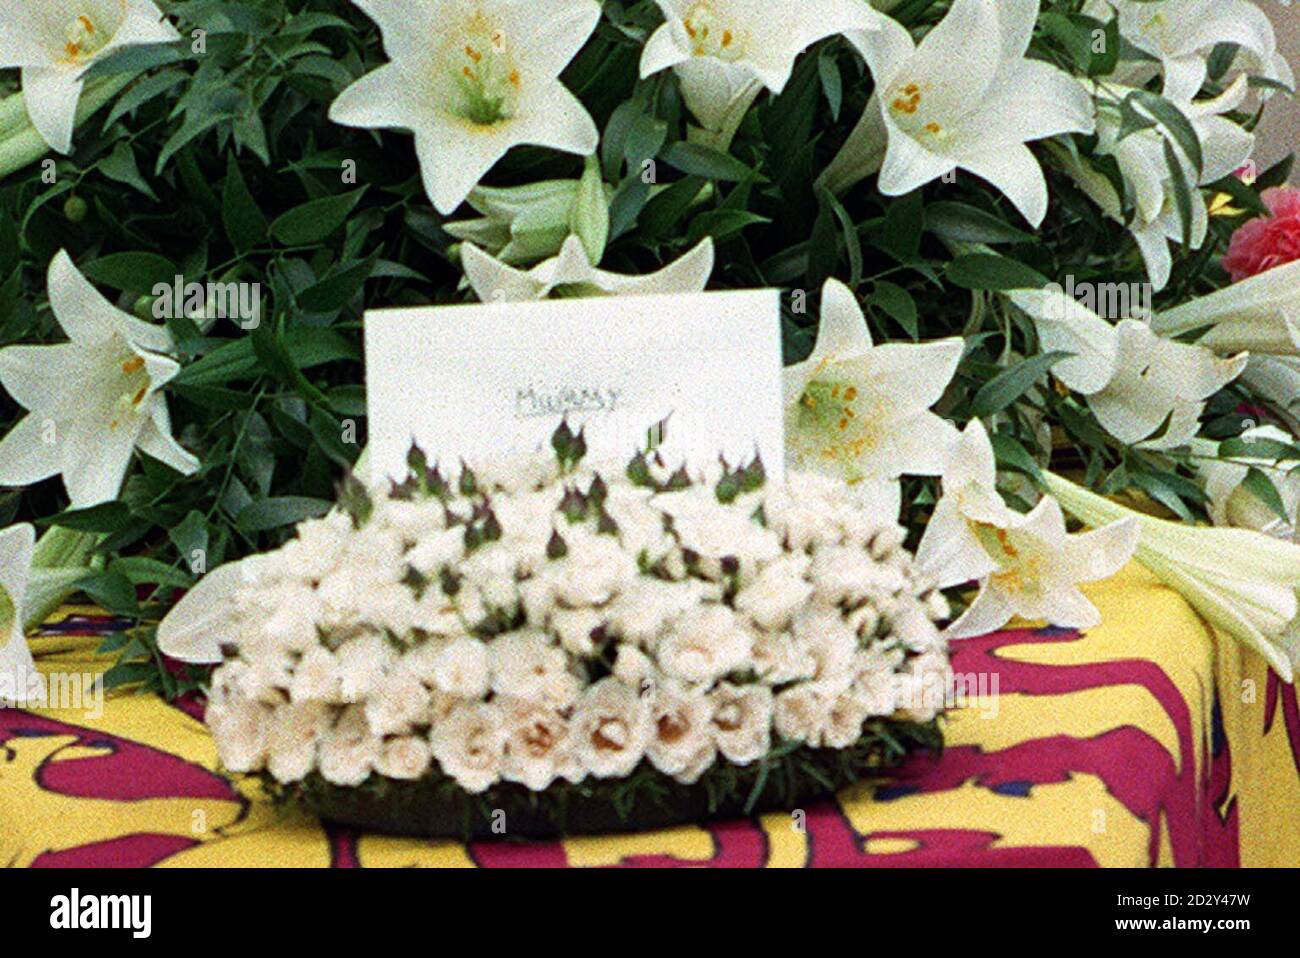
(539, 626)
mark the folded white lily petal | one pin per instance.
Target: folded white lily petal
(1135, 381)
(1158, 380)
(965, 98)
(54, 41)
(572, 273)
(862, 411)
(1140, 155)
(195, 627)
(90, 401)
(1244, 582)
(1277, 379)
(950, 551)
(1231, 501)
(1182, 34)
(519, 224)
(19, 680)
(471, 81)
(1260, 313)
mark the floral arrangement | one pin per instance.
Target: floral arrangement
(1032, 280)
(537, 622)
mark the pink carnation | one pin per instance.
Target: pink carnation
(1270, 241)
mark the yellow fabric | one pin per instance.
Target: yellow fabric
(1101, 750)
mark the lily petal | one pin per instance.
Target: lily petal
(194, 629)
(51, 95)
(25, 457)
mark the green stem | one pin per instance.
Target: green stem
(13, 114)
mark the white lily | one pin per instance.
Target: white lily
(571, 273)
(1134, 380)
(1181, 35)
(54, 41)
(471, 79)
(1261, 313)
(19, 680)
(192, 630)
(1244, 582)
(951, 552)
(91, 400)
(862, 411)
(725, 52)
(1232, 503)
(965, 98)
(519, 224)
(1277, 379)
(1225, 147)
(1027, 565)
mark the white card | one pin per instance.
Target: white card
(474, 381)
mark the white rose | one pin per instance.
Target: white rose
(538, 748)
(349, 751)
(362, 665)
(577, 630)
(491, 570)
(742, 721)
(843, 723)
(912, 627)
(421, 660)
(924, 687)
(436, 615)
(530, 666)
(802, 524)
(319, 545)
(294, 732)
(399, 702)
(800, 713)
(375, 555)
(644, 609)
(875, 683)
(634, 668)
(714, 531)
(406, 758)
(779, 659)
(316, 677)
(393, 607)
(226, 687)
(518, 472)
(239, 728)
(777, 592)
(527, 521)
(292, 624)
(412, 520)
(611, 728)
(462, 668)
(594, 570)
(437, 550)
(832, 654)
(705, 644)
(640, 526)
(268, 677)
(681, 742)
(848, 574)
(469, 745)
